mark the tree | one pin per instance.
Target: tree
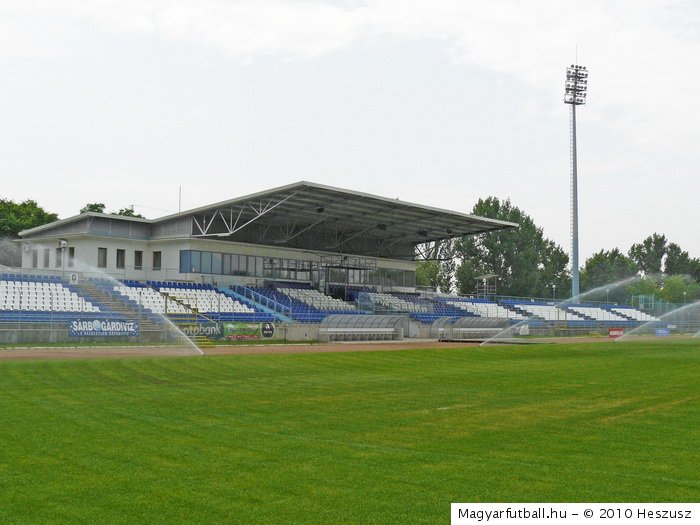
(604, 269)
(437, 270)
(649, 254)
(426, 273)
(679, 262)
(670, 288)
(525, 263)
(695, 269)
(99, 207)
(10, 253)
(654, 254)
(554, 268)
(129, 212)
(95, 207)
(678, 289)
(15, 217)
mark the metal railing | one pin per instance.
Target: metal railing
(262, 299)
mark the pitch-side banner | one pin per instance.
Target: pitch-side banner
(103, 328)
(248, 330)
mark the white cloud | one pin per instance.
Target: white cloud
(641, 53)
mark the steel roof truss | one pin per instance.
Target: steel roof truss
(291, 234)
(231, 227)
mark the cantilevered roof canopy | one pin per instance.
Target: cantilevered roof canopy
(312, 216)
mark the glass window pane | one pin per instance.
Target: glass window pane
(185, 261)
(102, 257)
(206, 262)
(216, 263)
(156, 260)
(121, 258)
(196, 261)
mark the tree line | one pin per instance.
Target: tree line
(524, 263)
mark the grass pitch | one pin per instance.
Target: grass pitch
(367, 437)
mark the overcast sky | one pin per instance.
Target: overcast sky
(436, 102)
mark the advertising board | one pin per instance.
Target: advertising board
(242, 331)
(103, 328)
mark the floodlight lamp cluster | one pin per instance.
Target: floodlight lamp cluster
(576, 85)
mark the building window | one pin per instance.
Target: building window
(185, 261)
(102, 257)
(216, 263)
(71, 257)
(59, 257)
(121, 258)
(35, 257)
(206, 262)
(156, 260)
(196, 262)
(138, 260)
(47, 255)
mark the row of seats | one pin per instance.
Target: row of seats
(597, 314)
(41, 296)
(632, 313)
(552, 312)
(151, 300)
(485, 309)
(301, 311)
(176, 284)
(29, 278)
(549, 312)
(395, 303)
(182, 300)
(206, 300)
(449, 306)
(316, 299)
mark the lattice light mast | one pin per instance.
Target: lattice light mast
(575, 95)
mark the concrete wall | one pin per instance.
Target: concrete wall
(42, 333)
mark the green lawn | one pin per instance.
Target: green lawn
(370, 437)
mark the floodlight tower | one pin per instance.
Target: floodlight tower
(575, 95)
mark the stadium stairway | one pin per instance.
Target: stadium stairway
(576, 312)
(102, 294)
(514, 308)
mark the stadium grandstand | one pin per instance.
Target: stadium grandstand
(299, 256)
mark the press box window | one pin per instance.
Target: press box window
(156, 260)
(121, 258)
(102, 257)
